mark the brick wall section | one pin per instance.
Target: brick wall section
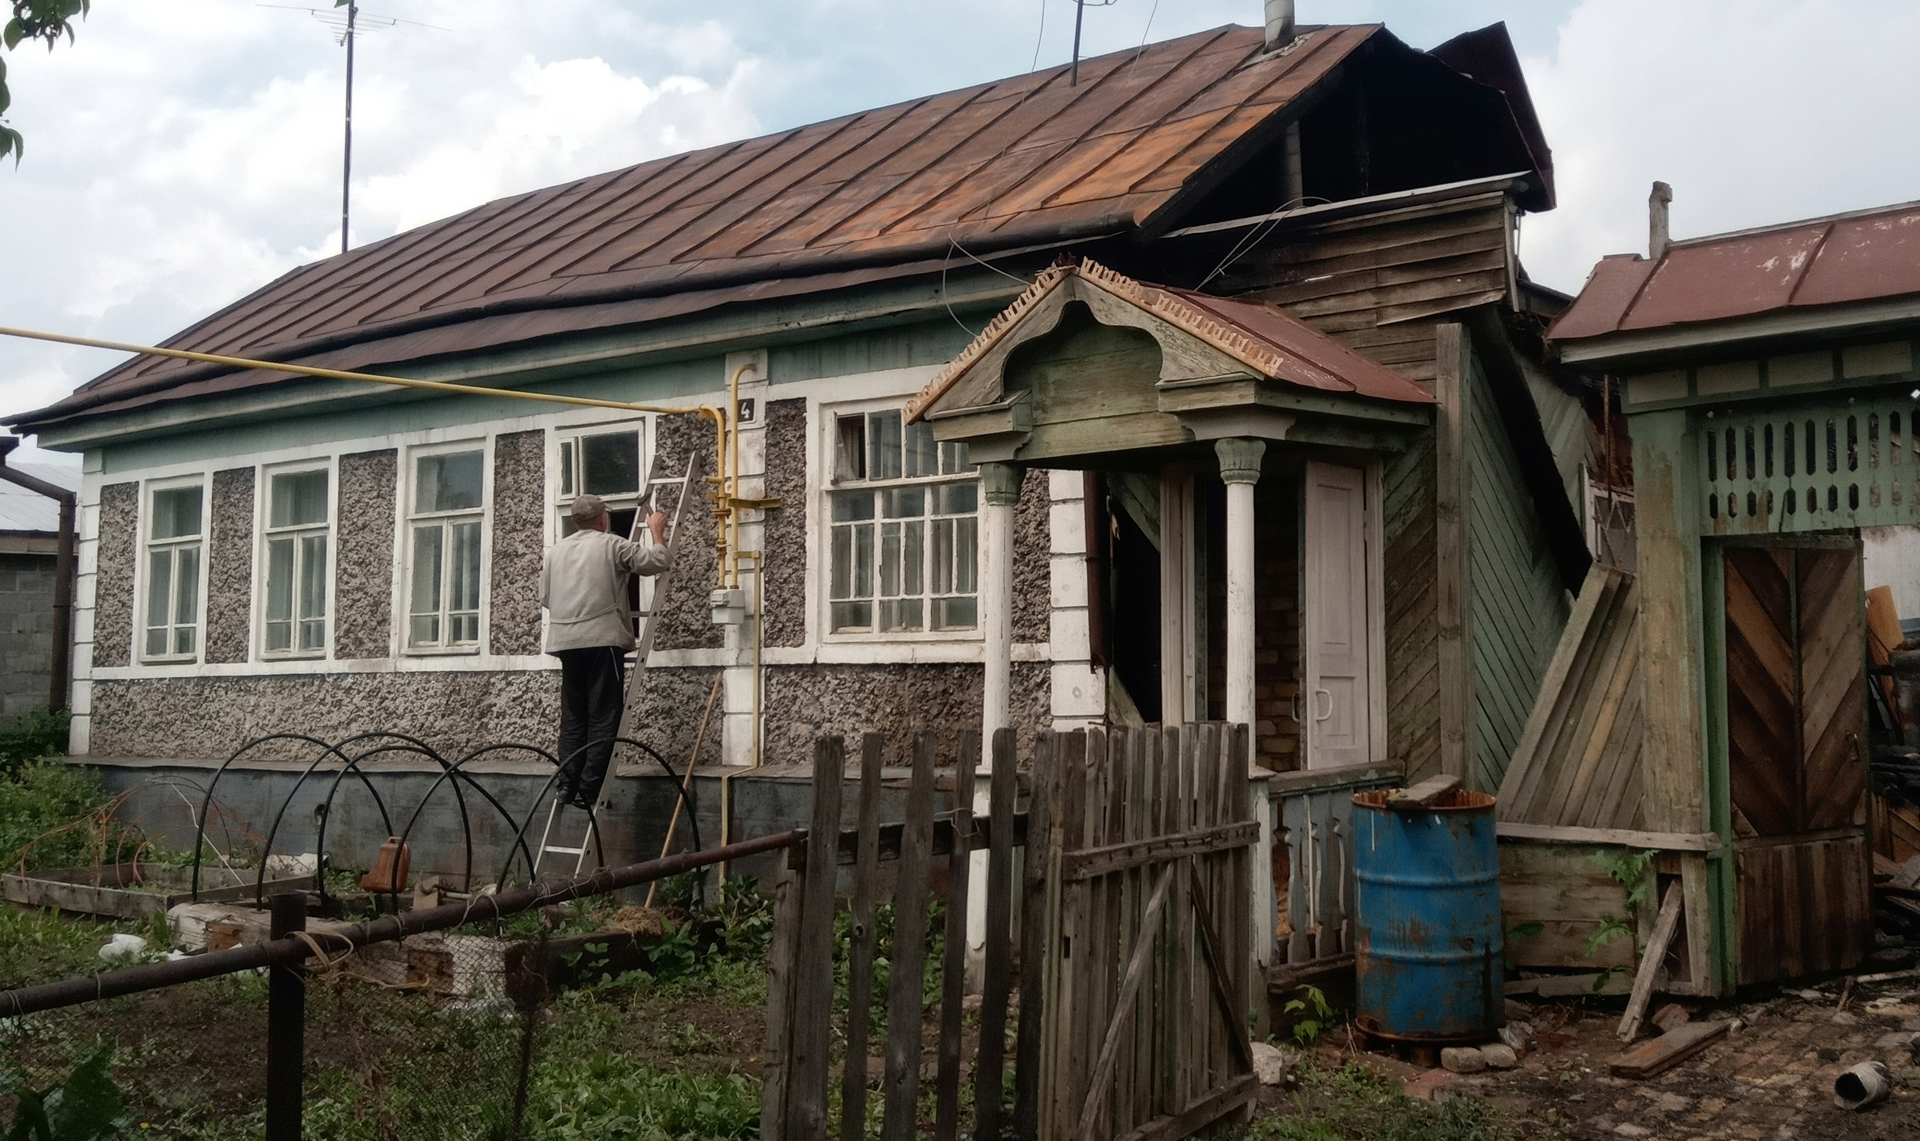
(26, 632)
(230, 566)
(785, 618)
(363, 571)
(685, 621)
(1032, 599)
(519, 540)
(113, 583)
(1276, 627)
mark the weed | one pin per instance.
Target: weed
(1629, 870)
(55, 815)
(1307, 1030)
(32, 736)
(85, 1107)
(1353, 1103)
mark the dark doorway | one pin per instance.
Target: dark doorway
(1133, 609)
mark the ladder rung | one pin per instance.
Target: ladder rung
(563, 851)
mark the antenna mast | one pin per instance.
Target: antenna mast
(346, 162)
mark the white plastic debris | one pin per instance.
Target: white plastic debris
(123, 946)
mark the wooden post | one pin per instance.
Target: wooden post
(1452, 352)
(1034, 956)
(788, 895)
(866, 870)
(907, 974)
(286, 1026)
(990, 1063)
(813, 960)
(1240, 469)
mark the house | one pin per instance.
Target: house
(36, 581)
(1208, 385)
(1770, 385)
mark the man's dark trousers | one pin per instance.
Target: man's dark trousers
(592, 692)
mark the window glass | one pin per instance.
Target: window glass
(566, 469)
(883, 445)
(610, 463)
(279, 610)
(176, 512)
(425, 611)
(297, 499)
(449, 482)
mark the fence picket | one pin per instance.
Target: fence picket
(990, 1063)
(787, 897)
(953, 988)
(1035, 961)
(866, 871)
(907, 970)
(813, 952)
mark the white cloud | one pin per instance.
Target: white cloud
(1756, 111)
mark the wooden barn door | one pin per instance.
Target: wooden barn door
(1795, 661)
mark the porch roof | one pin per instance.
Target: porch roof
(1263, 338)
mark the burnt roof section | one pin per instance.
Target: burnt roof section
(1871, 255)
(1487, 55)
(1011, 163)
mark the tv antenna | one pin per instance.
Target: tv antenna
(347, 27)
(1079, 16)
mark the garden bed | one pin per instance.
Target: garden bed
(135, 891)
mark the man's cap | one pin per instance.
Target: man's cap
(587, 508)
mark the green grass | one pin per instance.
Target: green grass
(1353, 1103)
(52, 815)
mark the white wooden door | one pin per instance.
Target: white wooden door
(1336, 705)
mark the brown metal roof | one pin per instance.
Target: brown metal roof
(1866, 256)
(1022, 160)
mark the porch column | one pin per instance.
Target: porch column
(1000, 490)
(1240, 470)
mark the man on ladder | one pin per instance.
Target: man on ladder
(583, 585)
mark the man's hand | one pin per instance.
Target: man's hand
(657, 523)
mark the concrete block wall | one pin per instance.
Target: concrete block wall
(26, 632)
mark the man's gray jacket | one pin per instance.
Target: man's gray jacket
(583, 585)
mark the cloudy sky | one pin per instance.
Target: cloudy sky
(183, 153)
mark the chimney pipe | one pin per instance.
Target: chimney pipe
(1279, 23)
(1657, 239)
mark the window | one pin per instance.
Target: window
(175, 535)
(295, 614)
(904, 529)
(606, 464)
(443, 609)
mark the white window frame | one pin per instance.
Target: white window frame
(567, 456)
(834, 482)
(408, 519)
(268, 534)
(147, 545)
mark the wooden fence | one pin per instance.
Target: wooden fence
(1131, 986)
(1313, 835)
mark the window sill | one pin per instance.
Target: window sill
(438, 652)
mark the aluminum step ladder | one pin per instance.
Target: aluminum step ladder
(688, 490)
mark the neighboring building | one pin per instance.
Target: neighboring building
(269, 553)
(29, 591)
(1771, 388)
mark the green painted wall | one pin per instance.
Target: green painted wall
(1516, 604)
(928, 343)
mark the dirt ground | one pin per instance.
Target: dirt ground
(1770, 1079)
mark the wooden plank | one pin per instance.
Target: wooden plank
(1077, 910)
(806, 1116)
(1450, 539)
(1570, 986)
(953, 979)
(1186, 1084)
(1424, 795)
(1201, 1112)
(1102, 1079)
(907, 966)
(1036, 876)
(1656, 1055)
(1529, 770)
(1698, 914)
(1129, 854)
(787, 898)
(1651, 963)
(860, 943)
(1221, 981)
(1619, 837)
(990, 1062)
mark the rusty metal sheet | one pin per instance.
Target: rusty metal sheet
(1865, 258)
(1324, 363)
(989, 163)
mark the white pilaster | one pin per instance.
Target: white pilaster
(999, 492)
(1240, 470)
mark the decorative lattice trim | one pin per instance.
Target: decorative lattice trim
(1169, 308)
(997, 328)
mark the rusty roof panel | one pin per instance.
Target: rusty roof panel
(994, 163)
(1867, 256)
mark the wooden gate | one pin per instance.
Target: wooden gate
(1134, 944)
(1795, 714)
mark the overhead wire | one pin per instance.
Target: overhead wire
(1257, 234)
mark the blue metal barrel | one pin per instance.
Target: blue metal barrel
(1428, 952)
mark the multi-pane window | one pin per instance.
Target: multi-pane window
(606, 464)
(175, 538)
(295, 611)
(904, 530)
(443, 610)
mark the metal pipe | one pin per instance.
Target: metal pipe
(481, 909)
(61, 665)
(1279, 23)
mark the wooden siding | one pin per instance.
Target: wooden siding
(1578, 761)
(1412, 604)
(1570, 433)
(1516, 606)
(1564, 890)
(1803, 908)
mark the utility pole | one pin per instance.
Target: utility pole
(346, 163)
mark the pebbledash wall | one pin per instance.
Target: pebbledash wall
(814, 681)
